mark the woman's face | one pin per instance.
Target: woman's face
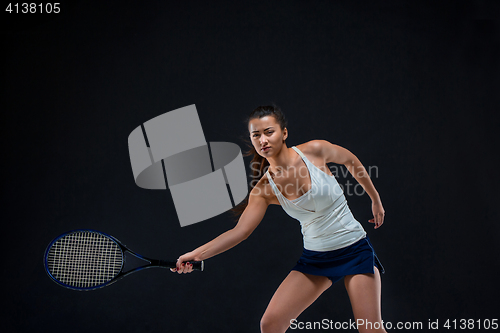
(266, 135)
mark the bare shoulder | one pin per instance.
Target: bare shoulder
(263, 190)
(315, 148)
(325, 151)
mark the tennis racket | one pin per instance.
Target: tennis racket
(89, 259)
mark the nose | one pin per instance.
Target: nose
(263, 140)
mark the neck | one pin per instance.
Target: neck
(281, 160)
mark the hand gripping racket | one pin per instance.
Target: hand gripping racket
(89, 259)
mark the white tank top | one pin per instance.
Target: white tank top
(326, 220)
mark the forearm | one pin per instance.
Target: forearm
(222, 243)
(358, 171)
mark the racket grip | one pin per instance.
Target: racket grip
(197, 265)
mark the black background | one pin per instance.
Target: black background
(409, 88)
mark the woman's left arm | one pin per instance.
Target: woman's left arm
(336, 154)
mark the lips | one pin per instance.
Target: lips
(265, 149)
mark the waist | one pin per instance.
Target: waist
(362, 242)
(331, 234)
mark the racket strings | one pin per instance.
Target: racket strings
(84, 259)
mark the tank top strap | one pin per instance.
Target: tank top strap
(315, 173)
(299, 152)
(273, 185)
(282, 200)
(310, 167)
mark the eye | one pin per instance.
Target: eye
(270, 132)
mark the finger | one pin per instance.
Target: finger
(189, 267)
(178, 264)
(371, 221)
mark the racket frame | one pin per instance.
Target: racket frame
(152, 262)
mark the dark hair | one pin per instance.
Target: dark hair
(258, 164)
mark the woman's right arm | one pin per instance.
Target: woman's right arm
(249, 220)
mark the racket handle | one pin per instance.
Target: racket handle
(197, 265)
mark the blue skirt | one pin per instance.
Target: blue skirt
(357, 258)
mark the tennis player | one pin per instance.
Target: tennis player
(335, 244)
